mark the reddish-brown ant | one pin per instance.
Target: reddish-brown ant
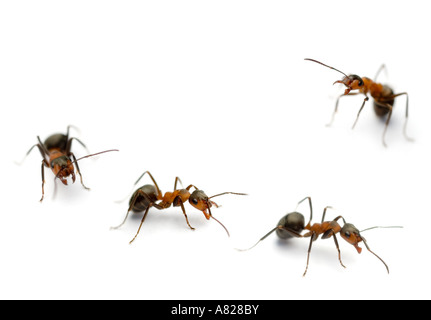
(147, 196)
(57, 155)
(292, 224)
(383, 95)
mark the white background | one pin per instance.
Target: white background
(217, 93)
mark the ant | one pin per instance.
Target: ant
(383, 95)
(146, 196)
(292, 224)
(57, 155)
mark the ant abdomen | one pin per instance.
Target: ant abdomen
(143, 202)
(294, 221)
(379, 107)
(58, 140)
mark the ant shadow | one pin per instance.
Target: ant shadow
(163, 221)
(322, 254)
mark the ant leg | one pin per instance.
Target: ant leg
(261, 239)
(55, 189)
(382, 67)
(44, 164)
(41, 148)
(125, 218)
(407, 114)
(135, 196)
(338, 249)
(191, 186)
(357, 117)
(140, 225)
(311, 207)
(69, 141)
(336, 106)
(291, 232)
(339, 217)
(71, 126)
(159, 193)
(151, 204)
(390, 114)
(330, 233)
(79, 171)
(175, 184)
(324, 213)
(387, 123)
(132, 203)
(181, 204)
(312, 238)
(69, 145)
(28, 152)
(185, 215)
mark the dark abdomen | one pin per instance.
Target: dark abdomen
(143, 202)
(381, 108)
(293, 221)
(58, 141)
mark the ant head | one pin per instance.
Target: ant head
(62, 167)
(200, 201)
(352, 82)
(351, 234)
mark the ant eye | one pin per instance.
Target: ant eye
(347, 234)
(194, 201)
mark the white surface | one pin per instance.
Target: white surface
(217, 93)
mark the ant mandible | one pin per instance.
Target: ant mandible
(292, 224)
(146, 196)
(383, 95)
(57, 155)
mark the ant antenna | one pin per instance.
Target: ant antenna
(209, 209)
(94, 154)
(326, 66)
(368, 248)
(228, 234)
(87, 156)
(220, 194)
(383, 227)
